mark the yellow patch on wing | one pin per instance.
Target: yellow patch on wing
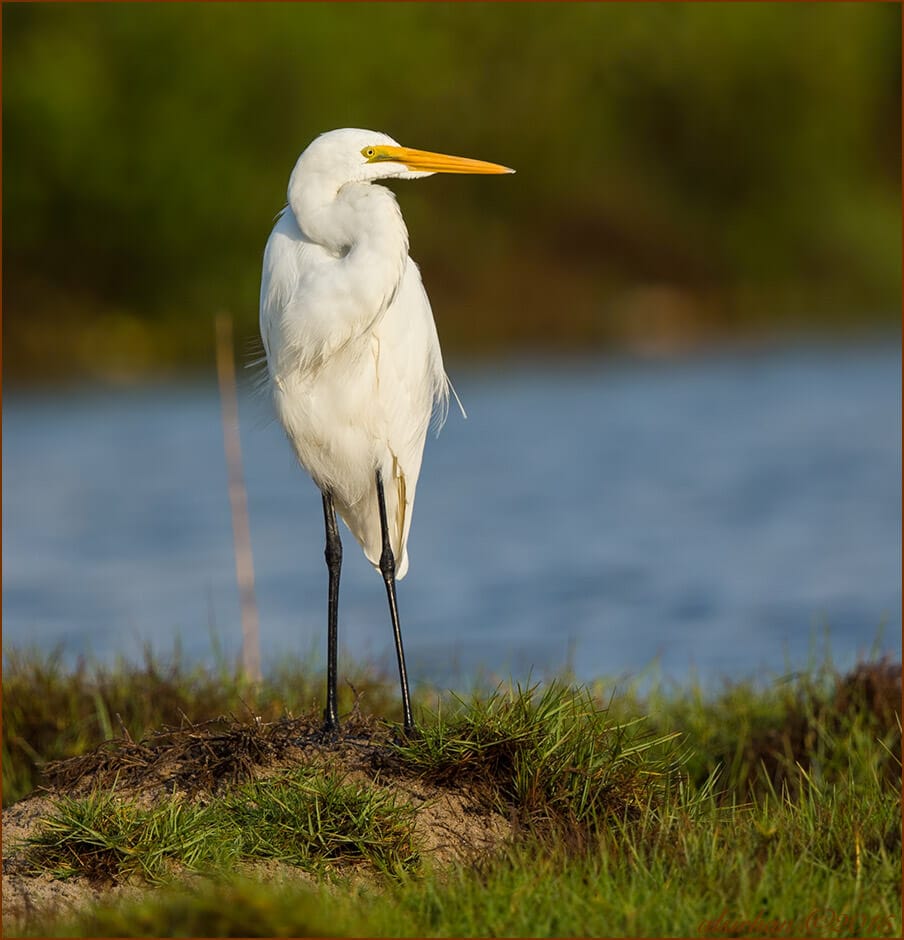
(375, 346)
(402, 504)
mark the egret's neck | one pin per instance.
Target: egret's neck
(361, 226)
(348, 217)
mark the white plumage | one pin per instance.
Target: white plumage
(353, 356)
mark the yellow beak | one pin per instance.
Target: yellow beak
(429, 162)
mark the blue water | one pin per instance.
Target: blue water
(719, 516)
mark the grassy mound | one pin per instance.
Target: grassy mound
(545, 811)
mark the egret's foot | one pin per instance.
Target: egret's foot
(327, 734)
(406, 734)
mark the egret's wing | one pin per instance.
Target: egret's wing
(410, 385)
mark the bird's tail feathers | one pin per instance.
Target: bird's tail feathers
(363, 519)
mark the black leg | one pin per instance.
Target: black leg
(333, 555)
(387, 568)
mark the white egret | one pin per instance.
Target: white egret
(353, 358)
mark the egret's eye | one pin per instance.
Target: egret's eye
(369, 152)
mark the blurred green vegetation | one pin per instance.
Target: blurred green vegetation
(686, 172)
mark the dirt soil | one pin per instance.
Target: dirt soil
(454, 821)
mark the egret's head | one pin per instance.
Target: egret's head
(354, 155)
